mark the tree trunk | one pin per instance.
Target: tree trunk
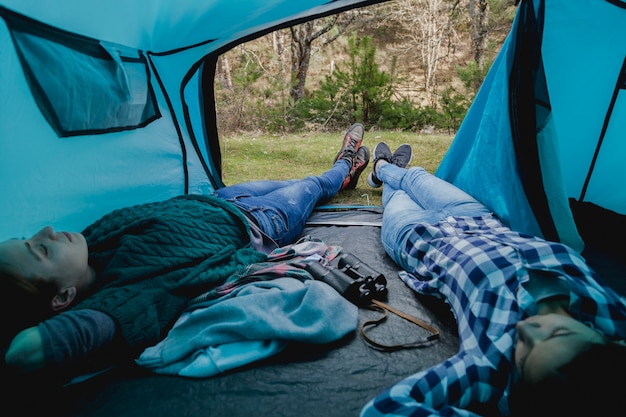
(479, 17)
(301, 40)
(278, 43)
(223, 71)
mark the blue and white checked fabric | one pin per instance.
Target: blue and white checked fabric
(477, 265)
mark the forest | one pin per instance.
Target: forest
(409, 65)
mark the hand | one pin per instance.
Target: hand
(25, 353)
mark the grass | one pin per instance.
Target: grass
(247, 157)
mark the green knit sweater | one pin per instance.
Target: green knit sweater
(150, 259)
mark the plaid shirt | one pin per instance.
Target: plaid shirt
(477, 266)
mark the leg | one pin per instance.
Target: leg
(414, 196)
(400, 215)
(281, 208)
(429, 192)
(282, 211)
(251, 189)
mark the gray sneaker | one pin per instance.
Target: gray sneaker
(381, 151)
(402, 156)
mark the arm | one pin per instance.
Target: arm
(66, 339)
(25, 353)
(459, 387)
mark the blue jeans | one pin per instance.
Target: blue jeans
(281, 208)
(413, 196)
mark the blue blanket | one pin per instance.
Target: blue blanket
(251, 323)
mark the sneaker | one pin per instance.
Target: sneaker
(402, 156)
(381, 151)
(359, 162)
(351, 142)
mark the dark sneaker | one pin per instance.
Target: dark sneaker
(402, 156)
(351, 142)
(381, 151)
(359, 163)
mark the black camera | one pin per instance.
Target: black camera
(353, 279)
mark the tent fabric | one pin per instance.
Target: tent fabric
(561, 76)
(82, 85)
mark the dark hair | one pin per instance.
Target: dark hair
(589, 385)
(24, 304)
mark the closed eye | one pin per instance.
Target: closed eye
(560, 331)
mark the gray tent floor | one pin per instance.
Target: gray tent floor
(305, 380)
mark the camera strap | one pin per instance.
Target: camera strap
(385, 308)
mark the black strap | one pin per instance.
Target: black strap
(384, 308)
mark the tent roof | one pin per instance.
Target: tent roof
(165, 25)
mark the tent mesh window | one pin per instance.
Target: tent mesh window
(82, 85)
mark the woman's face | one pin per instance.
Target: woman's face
(50, 256)
(546, 342)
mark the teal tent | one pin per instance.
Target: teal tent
(547, 133)
(105, 104)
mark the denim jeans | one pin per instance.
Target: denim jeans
(413, 196)
(281, 208)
